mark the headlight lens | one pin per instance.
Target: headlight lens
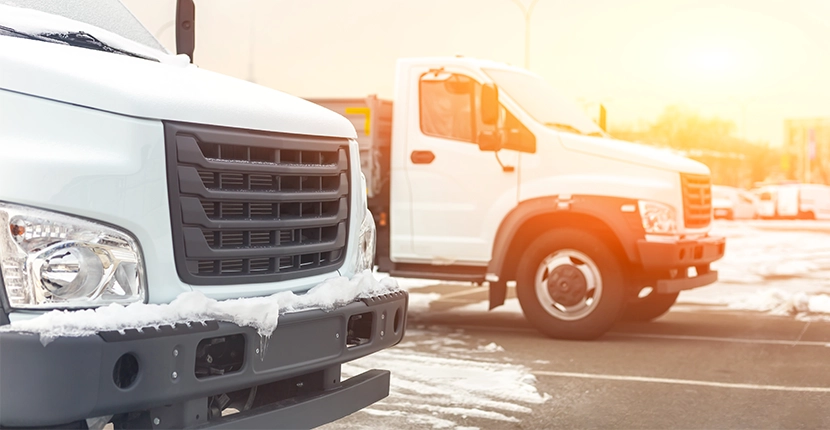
(366, 244)
(658, 218)
(50, 260)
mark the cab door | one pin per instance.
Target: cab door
(459, 193)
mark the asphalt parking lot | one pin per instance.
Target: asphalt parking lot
(750, 351)
(693, 368)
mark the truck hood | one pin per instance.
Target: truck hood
(170, 89)
(632, 153)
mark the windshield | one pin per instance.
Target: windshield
(543, 102)
(109, 15)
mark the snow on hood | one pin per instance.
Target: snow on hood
(636, 153)
(260, 313)
(171, 89)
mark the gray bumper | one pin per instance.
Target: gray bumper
(72, 379)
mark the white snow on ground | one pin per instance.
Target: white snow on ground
(261, 313)
(419, 302)
(439, 378)
(778, 267)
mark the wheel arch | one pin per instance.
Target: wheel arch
(599, 215)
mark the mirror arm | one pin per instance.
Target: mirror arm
(504, 168)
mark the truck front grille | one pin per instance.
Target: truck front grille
(250, 206)
(697, 200)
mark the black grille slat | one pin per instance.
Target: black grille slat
(289, 188)
(256, 207)
(697, 200)
(283, 216)
(233, 245)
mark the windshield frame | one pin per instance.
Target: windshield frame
(525, 88)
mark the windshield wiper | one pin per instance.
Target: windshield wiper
(572, 129)
(564, 127)
(77, 38)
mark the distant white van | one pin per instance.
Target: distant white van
(802, 201)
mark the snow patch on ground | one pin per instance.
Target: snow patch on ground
(780, 302)
(490, 347)
(510, 306)
(260, 313)
(451, 379)
(782, 268)
(419, 302)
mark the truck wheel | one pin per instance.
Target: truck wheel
(570, 285)
(649, 307)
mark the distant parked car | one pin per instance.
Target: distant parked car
(734, 203)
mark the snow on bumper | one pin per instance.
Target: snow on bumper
(73, 377)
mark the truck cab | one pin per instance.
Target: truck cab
(483, 172)
(178, 248)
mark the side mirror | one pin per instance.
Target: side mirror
(489, 104)
(185, 27)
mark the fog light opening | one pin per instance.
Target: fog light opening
(359, 330)
(125, 371)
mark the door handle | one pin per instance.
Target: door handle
(422, 157)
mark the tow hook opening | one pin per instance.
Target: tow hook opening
(220, 355)
(359, 329)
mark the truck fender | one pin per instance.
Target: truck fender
(619, 215)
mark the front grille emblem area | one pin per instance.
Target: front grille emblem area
(250, 206)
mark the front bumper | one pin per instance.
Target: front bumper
(73, 379)
(676, 257)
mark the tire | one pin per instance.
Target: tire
(649, 307)
(590, 294)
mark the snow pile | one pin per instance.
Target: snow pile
(260, 313)
(780, 302)
(491, 347)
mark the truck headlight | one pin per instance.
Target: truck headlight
(366, 244)
(658, 218)
(49, 260)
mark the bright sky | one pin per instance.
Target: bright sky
(755, 62)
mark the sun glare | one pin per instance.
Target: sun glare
(714, 61)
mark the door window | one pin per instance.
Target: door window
(449, 106)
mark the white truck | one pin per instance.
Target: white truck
(482, 172)
(210, 207)
(795, 201)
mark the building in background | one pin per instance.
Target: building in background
(806, 156)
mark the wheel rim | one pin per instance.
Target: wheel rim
(568, 284)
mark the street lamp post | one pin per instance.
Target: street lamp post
(527, 11)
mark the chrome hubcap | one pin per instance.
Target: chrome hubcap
(568, 284)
